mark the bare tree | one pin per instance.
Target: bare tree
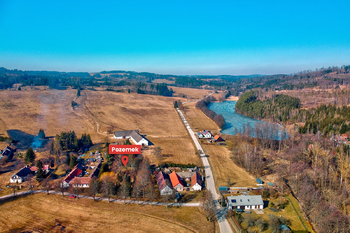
(107, 187)
(208, 205)
(59, 187)
(14, 187)
(46, 185)
(94, 187)
(29, 179)
(150, 193)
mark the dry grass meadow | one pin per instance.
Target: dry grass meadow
(54, 213)
(97, 113)
(191, 92)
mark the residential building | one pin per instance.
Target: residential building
(21, 175)
(176, 181)
(83, 182)
(196, 182)
(164, 184)
(217, 138)
(7, 151)
(134, 135)
(77, 170)
(80, 182)
(204, 134)
(245, 202)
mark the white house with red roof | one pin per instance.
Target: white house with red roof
(176, 181)
(204, 134)
(77, 170)
(196, 182)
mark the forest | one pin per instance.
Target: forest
(328, 120)
(313, 169)
(279, 108)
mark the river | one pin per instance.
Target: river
(235, 122)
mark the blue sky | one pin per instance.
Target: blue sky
(175, 37)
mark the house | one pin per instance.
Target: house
(176, 181)
(134, 135)
(340, 139)
(164, 184)
(84, 182)
(77, 170)
(7, 151)
(196, 182)
(204, 134)
(21, 175)
(217, 138)
(46, 168)
(80, 182)
(245, 202)
(185, 175)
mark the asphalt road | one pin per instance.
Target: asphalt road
(221, 212)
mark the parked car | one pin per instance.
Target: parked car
(72, 196)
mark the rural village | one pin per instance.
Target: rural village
(188, 174)
(87, 169)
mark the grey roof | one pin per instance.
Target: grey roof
(136, 136)
(125, 133)
(24, 172)
(245, 200)
(185, 175)
(129, 133)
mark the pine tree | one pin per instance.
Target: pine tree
(176, 105)
(109, 158)
(40, 174)
(30, 156)
(41, 134)
(73, 161)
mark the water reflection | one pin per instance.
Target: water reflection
(237, 123)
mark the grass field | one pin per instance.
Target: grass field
(223, 168)
(288, 213)
(96, 113)
(54, 213)
(192, 93)
(198, 120)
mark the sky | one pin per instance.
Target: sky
(175, 37)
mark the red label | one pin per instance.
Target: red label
(124, 149)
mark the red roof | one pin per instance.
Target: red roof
(33, 168)
(196, 178)
(162, 181)
(175, 179)
(80, 180)
(75, 172)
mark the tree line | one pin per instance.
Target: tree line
(203, 106)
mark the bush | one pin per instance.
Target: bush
(266, 194)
